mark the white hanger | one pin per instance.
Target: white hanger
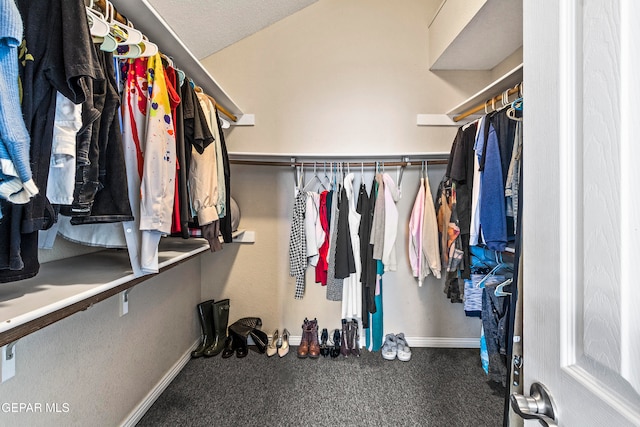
(314, 178)
(98, 25)
(499, 289)
(148, 48)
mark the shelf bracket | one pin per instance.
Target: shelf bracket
(124, 302)
(8, 361)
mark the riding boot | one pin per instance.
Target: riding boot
(344, 341)
(206, 323)
(220, 311)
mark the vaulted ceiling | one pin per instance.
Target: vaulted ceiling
(207, 26)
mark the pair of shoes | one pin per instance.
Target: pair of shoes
(396, 346)
(350, 341)
(324, 347)
(214, 317)
(278, 344)
(309, 345)
(235, 344)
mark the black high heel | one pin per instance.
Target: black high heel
(335, 350)
(324, 348)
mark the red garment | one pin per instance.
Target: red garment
(174, 100)
(323, 265)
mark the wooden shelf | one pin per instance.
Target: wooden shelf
(507, 81)
(68, 286)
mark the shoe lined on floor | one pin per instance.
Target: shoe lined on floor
(284, 347)
(272, 348)
(335, 348)
(206, 323)
(314, 345)
(354, 340)
(229, 347)
(403, 349)
(303, 348)
(389, 348)
(324, 347)
(344, 340)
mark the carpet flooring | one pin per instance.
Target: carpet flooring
(437, 387)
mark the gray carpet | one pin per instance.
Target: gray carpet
(438, 387)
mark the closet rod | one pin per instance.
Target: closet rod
(490, 101)
(350, 164)
(102, 4)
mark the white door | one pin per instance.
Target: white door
(581, 237)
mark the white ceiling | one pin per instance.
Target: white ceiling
(207, 26)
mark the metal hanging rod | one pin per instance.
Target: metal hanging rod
(369, 160)
(490, 103)
(296, 163)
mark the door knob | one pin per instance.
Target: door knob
(537, 406)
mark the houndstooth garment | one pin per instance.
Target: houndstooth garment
(298, 244)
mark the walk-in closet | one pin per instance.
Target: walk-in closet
(319, 212)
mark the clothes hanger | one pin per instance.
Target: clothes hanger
(499, 292)
(148, 48)
(126, 36)
(98, 25)
(314, 178)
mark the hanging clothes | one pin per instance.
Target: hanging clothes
(430, 245)
(374, 334)
(366, 204)
(323, 251)
(474, 227)
(298, 244)
(57, 56)
(104, 189)
(334, 283)
(226, 222)
(417, 257)
(67, 123)
(203, 180)
(352, 288)
(150, 161)
(492, 202)
(313, 228)
(460, 170)
(513, 177)
(377, 226)
(16, 180)
(391, 197)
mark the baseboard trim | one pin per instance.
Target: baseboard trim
(136, 415)
(435, 342)
(438, 342)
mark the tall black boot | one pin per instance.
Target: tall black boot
(206, 323)
(355, 338)
(345, 344)
(219, 326)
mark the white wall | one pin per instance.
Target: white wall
(340, 76)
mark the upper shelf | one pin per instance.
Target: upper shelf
(507, 81)
(148, 20)
(474, 34)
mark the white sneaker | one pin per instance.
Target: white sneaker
(389, 348)
(402, 348)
